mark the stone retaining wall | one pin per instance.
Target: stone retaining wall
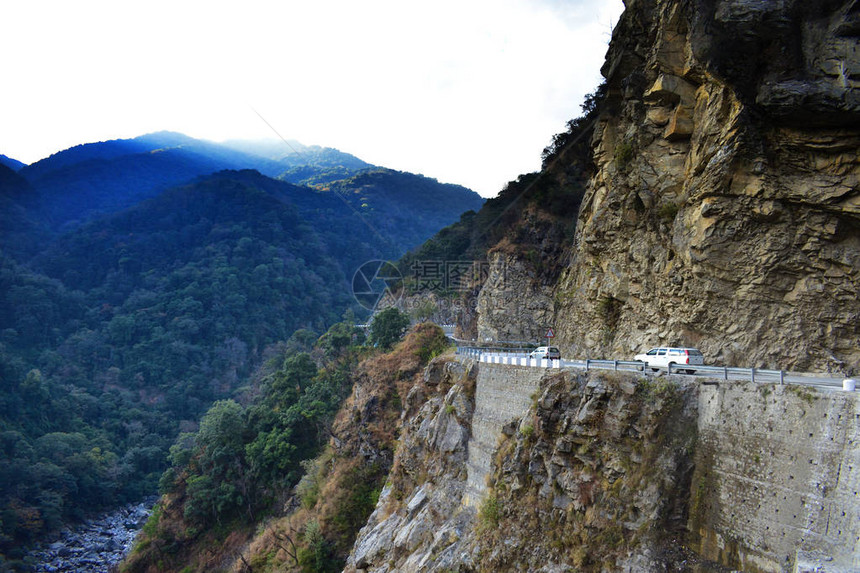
(502, 394)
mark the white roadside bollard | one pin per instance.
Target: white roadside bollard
(849, 384)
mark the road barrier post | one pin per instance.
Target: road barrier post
(781, 377)
(587, 361)
(725, 372)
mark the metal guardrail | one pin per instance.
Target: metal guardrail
(497, 355)
(751, 373)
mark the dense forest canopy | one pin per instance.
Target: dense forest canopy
(142, 282)
(256, 460)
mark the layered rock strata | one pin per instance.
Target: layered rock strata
(724, 211)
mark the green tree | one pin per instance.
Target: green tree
(288, 382)
(219, 440)
(301, 340)
(270, 455)
(388, 327)
(316, 556)
(340, 336)
(220, 454)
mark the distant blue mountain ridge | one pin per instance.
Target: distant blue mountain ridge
(92, 180)
(12, 164)
(87, 181)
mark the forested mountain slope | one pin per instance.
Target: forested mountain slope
(129, 303)
(20, 231)
(95, 179)
(11, 163)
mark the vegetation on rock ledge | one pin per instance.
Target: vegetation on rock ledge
(257, 485)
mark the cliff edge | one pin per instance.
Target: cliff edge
(504, 468)
(725, 210)
(724, 207)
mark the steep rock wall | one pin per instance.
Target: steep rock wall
(420, 516)
(725, 211)
(514, 305)
(595, 477)
(547, 470)
(515, 302)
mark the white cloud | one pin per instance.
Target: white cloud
(467, 92)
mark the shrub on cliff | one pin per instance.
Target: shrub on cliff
(388, 327)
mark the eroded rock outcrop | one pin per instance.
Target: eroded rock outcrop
(595, 477)
(724, 208)
(420, 516)
(515, 305)
(725, 211)
(585, 470)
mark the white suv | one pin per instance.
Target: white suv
(546, 353)
(662, 357)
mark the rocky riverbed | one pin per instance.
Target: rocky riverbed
(96, 545)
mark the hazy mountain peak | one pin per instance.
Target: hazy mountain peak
(293, 153)
(12, 164)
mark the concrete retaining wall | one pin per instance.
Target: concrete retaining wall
(777, 478)
(502, 394)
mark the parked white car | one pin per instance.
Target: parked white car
(662, 357)
(546, 353)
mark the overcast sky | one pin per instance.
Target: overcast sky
(466, 92)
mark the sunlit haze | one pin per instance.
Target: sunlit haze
(465, 92)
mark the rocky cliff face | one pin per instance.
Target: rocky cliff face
(725, 212)
(504, 468)
(514, 305)
(593, 478)
(523, 469)
(420, 516)
(725, 207)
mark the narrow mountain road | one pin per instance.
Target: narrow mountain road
(705, 373)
